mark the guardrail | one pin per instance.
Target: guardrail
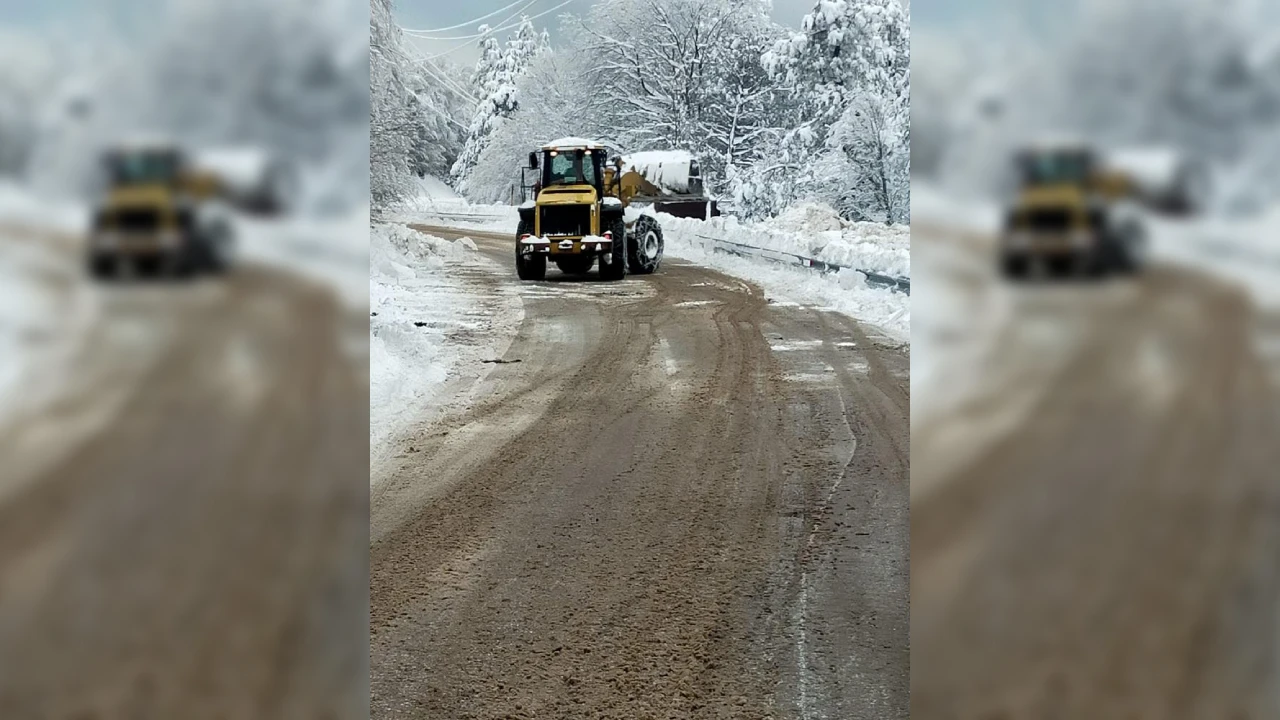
(897, 284)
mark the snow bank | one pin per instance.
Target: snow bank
(433, 187)
(846, 291)
(1242, 251)
(811, 231)
(877, 247)
(457, 213)
(19, 207)
(430, 322)
(406, 362)
(45, 307)
(934, 206)
(332, 251)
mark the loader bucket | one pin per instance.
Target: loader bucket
(697, 209)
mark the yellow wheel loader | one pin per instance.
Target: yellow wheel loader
(1070, 216)
(577, 216)
(158, 214)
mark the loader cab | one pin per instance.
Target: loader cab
(1069, 166)
(570, 167)
(133, 167)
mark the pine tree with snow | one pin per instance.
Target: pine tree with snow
(497, 75)
(391, 120)
(847, 73)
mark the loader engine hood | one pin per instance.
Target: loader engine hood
(567, 195)
(154, 196)
(1060, 197)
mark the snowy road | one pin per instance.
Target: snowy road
(182, 523)
(1096, 522)
(675, 498)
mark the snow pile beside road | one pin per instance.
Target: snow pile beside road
(810, 231)
(45, 311)
(20, 208)
(438, 204)
(845, 291)
(934, 207)
(406, 362)
(332, 251)
(1244, 251)
(428, 324)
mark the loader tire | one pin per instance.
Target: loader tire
(616, 269)
(102, 267)
(645, 245)
(529, 267)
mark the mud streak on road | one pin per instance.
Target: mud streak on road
(682, 502)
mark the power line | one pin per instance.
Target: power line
(456, 48)
(469, 22)
(507, 19)
(446, 82)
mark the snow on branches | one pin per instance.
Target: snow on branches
(774, 117)
(496, 77)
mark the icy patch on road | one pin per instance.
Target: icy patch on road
(433, 319)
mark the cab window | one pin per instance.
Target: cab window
(570, 168)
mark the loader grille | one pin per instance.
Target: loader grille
(1049, 220)
(574, 220)
(139, 221)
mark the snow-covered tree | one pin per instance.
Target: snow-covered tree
(846, 48)
(291, 77)
(554, 81)
(440, 100)
(759, 108)
(497, 73)
(847, 131)
(685, 74)
(866, 165)
(393, 122)
(28, 70)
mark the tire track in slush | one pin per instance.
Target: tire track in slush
(626, 552)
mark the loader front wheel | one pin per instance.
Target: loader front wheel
(645, 245)
(529, 267)
(616, 267)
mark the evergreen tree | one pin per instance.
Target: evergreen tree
(497, 74)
